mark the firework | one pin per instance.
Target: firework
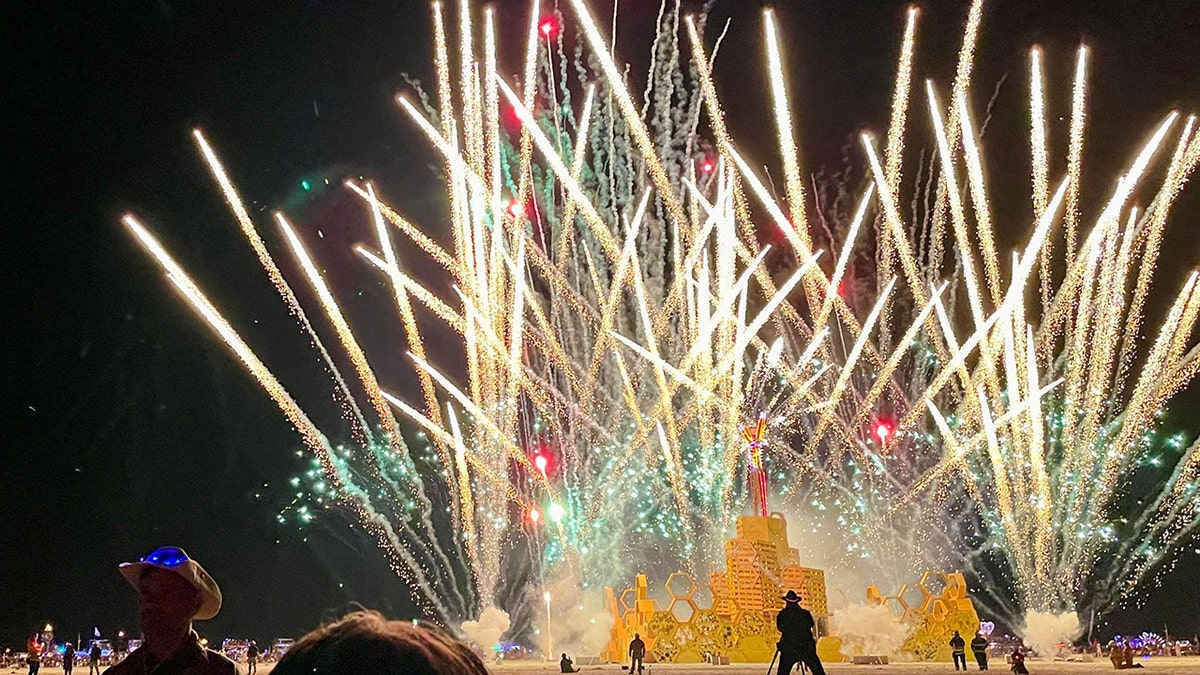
(1047, 483)
(620, 328)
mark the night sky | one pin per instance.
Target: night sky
(126, 425)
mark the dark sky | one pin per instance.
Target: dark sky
(126, 425)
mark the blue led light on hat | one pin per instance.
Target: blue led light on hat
(166, 556)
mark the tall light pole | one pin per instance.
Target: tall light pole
(549, 638)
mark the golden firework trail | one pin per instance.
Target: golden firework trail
(619, 320)
(894, 153)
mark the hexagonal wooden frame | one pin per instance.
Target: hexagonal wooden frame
(935, 618)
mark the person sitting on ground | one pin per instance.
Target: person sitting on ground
(1018, 663)
(173, 590)
(1121, 655)
(566, 666)
(1116, 654)
(1129, 658)
(365, 643)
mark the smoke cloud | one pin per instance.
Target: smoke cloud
(580, 625)
(1044, 630)
(486, 632)
(869, 630)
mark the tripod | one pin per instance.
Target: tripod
(803, 667)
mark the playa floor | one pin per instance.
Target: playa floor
(1187, 665)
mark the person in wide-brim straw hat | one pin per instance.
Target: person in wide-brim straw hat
(176, 560)
(173, 590)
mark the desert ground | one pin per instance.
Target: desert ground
(1153, 666)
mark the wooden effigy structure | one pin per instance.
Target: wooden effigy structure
(731, 615)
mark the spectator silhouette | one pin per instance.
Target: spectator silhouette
(33, 654)
(94, 655)
(637, 652)
(68, 658)
(958, 649)
(979, 647)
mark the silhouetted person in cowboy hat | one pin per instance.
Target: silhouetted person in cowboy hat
(796, 640)
(173, 590)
